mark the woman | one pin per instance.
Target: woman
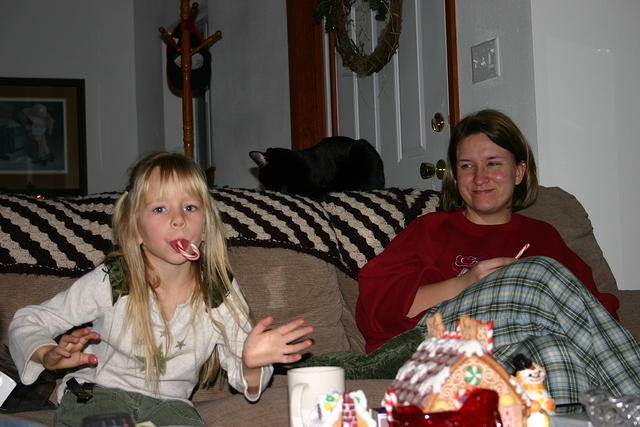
(462, 260)
(491, 173)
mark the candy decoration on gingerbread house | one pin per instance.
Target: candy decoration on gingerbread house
(449, 365)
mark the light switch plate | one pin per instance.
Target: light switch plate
(485, 61)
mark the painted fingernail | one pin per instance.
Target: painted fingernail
(93, 360)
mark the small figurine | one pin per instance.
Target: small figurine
(531, 376)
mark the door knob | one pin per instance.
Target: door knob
(428, 170)
(437, 123)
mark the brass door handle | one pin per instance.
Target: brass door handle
(428, 170)
(437, 122)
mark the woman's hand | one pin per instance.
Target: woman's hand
(434, 293)
(483, 268)
(265, 346)
(68, 353)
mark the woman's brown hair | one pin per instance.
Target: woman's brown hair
(500, 129)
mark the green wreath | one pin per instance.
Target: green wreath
(336, 14)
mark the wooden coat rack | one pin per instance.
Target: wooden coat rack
(188, 16)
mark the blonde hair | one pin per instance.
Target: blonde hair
(500, 129)
(212, 271)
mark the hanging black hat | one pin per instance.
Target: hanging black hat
(200, 62)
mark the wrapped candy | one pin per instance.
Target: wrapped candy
(341, 410)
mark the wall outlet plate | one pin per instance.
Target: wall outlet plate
(485, 61)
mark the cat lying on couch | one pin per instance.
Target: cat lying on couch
(337, 163)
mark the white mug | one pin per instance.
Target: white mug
(306, 384)
(7, 384)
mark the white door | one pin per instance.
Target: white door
(393, 108)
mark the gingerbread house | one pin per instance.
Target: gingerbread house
(443, 371)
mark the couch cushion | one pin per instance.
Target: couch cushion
(273, 407)
(277, 282)
(234, 410)
(28, 419)
(18, 290)
(286, 284)
(349, 288)
(629, 313)
(562, 210)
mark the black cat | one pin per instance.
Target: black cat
(337, 163)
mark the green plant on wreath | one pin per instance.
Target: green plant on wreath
(336, 14)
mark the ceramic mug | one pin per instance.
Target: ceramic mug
(306, 384)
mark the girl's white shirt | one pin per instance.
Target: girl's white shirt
(89, 299)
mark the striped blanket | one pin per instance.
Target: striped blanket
(68, 236)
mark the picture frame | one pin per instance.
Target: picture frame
(42, 136)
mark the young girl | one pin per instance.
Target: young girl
(162, 309)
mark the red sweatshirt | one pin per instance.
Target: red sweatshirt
(439, 246)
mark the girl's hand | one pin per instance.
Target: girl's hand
(68, 353)
(265, 346)
(483, 268)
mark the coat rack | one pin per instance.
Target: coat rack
(187, 24)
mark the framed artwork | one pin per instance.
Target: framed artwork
(42, 136)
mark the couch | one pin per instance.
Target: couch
(293, 256)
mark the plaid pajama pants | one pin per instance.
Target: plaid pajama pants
(540, 309)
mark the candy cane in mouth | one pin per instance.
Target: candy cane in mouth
(181, 245)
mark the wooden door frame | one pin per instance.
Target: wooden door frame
(307, 91)
(452, 62)
(307, 97)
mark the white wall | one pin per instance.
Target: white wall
(588, 99)
(148, 16)
(569, 79)
(250, 85)
(110, 46)
(513, 91)
(116, 48)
